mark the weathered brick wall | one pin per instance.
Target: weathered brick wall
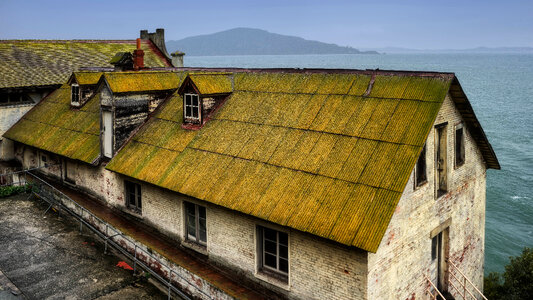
(318, 269)
(404, 256)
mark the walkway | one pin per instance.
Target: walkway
(46, 257)
(241, 289)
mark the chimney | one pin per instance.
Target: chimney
(138, 57)
(157, 38)
(177, 59)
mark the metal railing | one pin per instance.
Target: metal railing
(432, 290)
(110, 234)
(466, 287)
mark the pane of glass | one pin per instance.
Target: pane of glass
(283, 252)
(195, 101)
(187, 100)
(190, 208)
(270, 260)
(191, 230)
(139, 203)
(195, 113)
(270, 247)
(202, 234)
(283, 265)
(270, 234)
(283, 238)
(201, 212)
(188, 111)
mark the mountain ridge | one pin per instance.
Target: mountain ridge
(251, 41)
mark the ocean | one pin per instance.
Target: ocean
(500, 89)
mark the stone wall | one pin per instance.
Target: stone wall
(396, 271)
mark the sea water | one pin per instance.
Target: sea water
(500, 89)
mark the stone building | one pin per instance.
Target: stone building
(31, 69)
(299, 184)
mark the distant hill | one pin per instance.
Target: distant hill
(248, 41)
(397, 50)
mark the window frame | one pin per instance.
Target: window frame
(277, 272)
(198, 108)
(136, 205)
(196, 238)
(76, 101)
(420, 182)
(462, 154)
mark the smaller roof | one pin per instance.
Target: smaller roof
(209, 83)
(85, 77)
(142, 81)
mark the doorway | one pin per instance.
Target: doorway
(439, 254)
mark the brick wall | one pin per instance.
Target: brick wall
(404, 256)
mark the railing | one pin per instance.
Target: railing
(110, 234)
(466, 288)
(432, 290)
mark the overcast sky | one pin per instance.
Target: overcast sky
(361, 24)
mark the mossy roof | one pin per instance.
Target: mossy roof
(142, 81)
(211, 83)
(25, 63)
(86, 77)
(315, 152)
(52, 125)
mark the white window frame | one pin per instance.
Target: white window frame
(262, 239)
(198, 108)
(197, 220)
(72, 100)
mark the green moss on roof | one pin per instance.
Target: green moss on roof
(87, 78)
(209, 84)
(36, 63)
(306, 151)
(53, 126)
(126, 82)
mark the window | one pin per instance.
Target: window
(441, 162)
(274, 250)
(133, 196)
(459, 146)
(420, 170)
(196, 225)
(192, 107)
(75, 94)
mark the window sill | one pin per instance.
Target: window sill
(202, 249)
(133, 212)
(279, 280)
(441, 193)
(420, 185)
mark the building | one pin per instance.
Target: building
(301, 184)
(31, 69)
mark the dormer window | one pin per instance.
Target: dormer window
(192, 108)
(75, 98)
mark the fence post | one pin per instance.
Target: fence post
(464, 288)
(135, 260)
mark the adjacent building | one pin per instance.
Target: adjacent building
(31, 69)
(306, 184)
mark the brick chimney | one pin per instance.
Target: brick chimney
(138, 57)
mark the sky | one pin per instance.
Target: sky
(412, 24)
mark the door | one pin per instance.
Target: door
(439, 268)
(441, 160)
(107, 133)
